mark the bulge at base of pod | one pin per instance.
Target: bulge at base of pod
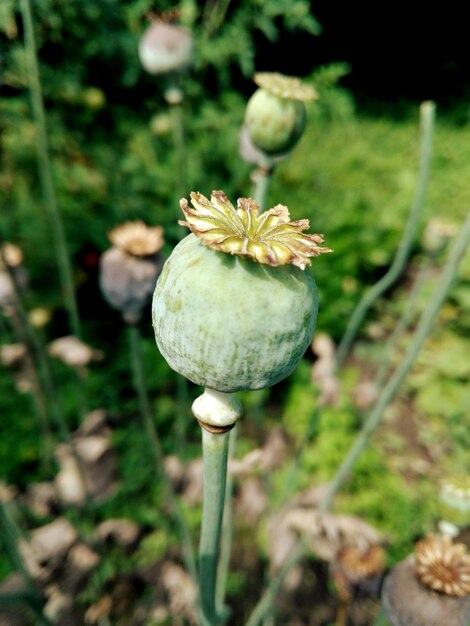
(235, 306)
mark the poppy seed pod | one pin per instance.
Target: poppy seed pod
(429, 587)
(275, 115)
(241, 320)
(165, 48)
(129, 269)
(454, 499)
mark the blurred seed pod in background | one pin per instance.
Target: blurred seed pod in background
(165, 48)
(275, 115)
(454, 500)
(130, 268)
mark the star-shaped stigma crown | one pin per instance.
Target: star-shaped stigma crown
(270, 238)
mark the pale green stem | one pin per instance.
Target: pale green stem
(215, 454)
(266, 602)
(176, 111)
(268, 598)
(214, 15)
(427, 112)
(423, 329)
(227, 532)
(263, 176)
(45, 171)
(401, 326)
(289, 485)
(10, 535)
(156, 447)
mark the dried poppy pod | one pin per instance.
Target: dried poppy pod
(275, 115)
(233, 308)
(430, 587)
(129, 269)
(165, 48)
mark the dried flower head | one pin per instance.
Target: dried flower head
(12, 354)
(443, 566)
(129, 269)
(12, 255)
(137, 239)
(355, 568)
(269, 238)
(286, 87)
(73, 351)
(359, 563)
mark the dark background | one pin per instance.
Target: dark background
(396, 51)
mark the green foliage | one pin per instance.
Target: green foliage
(110, 135)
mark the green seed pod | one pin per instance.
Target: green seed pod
(454, 500)
(275, 114)
(228, 323)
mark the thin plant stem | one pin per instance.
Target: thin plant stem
(401, 326)
(268, 598)
(10, 535)
(462, 241)
(156, 447)
(38, 399)
(38, 356)
(263, 177)
(215, 454)
(45, 172)
(289, 484)
(176, 112)
(423, 329)
(213, 15)
(427, 114)
(227, 531)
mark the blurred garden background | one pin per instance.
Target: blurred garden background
(117, 149)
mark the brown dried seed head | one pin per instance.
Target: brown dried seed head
(443, 566)
(73, 351)
(358, 564)
(137, 238)
(12, 254)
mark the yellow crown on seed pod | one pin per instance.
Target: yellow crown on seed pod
(287, 87)
(269, 238)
